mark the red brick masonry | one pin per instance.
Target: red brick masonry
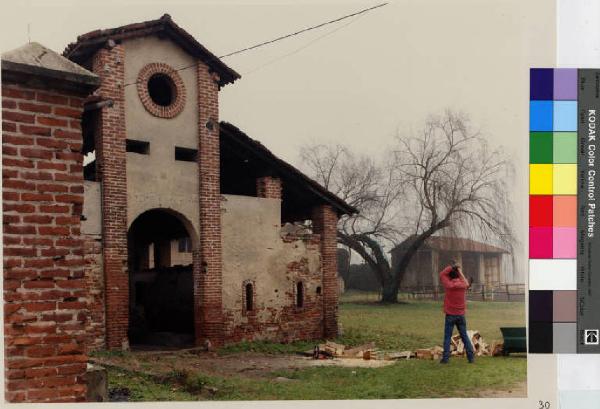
(111, 157)
(45, 293)
(325, 224)
(268, 187)
(207, 270)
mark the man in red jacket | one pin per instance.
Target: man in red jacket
(455, 286)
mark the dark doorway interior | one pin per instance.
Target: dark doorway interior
(160, 281)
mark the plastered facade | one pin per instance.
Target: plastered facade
(254, 251)
(157, 180)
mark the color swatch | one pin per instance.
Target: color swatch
(564, 241)
(553, 158)
(588, 236)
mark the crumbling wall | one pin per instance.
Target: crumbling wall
(254, 251)
(91, 232)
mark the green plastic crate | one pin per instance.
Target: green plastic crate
(515, 339)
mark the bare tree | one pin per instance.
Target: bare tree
(443, 177)
(370, 188)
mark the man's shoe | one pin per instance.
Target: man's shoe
(472, 360)
(444, 361)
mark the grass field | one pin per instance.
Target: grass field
(405, 326)
(419, 324)
(406, 379)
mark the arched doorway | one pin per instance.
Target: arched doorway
(161, 290)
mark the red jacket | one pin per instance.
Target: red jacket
(454, 299)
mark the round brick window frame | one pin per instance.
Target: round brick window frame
(171, 110)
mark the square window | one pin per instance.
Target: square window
(540, 179)
(540, 116)
(540, 147)
(564, 116)
(564, 179)
(564, 147)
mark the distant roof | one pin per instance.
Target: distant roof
(37, 60)
(230, 133)
(445, 243)
(87, 44)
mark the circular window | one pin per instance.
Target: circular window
(161, 90)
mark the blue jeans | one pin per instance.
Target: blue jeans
(461, 324)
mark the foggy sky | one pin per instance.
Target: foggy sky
(383, 72)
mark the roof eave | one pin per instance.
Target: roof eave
(340, 205)
(87, 44)
(74, 82)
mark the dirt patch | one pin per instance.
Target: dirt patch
(246, 364)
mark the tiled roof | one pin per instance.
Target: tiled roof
(88, 43)
(445, 243)
(230, 131)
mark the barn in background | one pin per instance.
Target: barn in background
(483, 262)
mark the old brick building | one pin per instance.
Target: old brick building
(112, 153)
(481, 261)
(45, 289)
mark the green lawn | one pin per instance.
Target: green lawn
(419, 324)
(407, 326)
(404, 379)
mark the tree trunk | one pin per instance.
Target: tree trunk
(399, 270)
(389, 292)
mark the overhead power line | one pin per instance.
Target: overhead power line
(304, 30)
(363, 11)
(296, 51)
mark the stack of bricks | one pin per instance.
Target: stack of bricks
(44, 288)
(208, 289)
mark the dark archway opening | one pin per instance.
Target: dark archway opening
(161, 298)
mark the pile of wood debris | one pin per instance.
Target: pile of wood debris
(368, 351)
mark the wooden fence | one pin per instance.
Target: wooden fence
(477, 292)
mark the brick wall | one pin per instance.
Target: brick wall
(208, 281)
(45, 297)
(94, 274)
(325, 223)
(108, 64)
(285, 322)
(268, 187)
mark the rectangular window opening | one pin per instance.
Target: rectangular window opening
(186, 154)
(249, 297)
(135, 146)
(299, 294)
